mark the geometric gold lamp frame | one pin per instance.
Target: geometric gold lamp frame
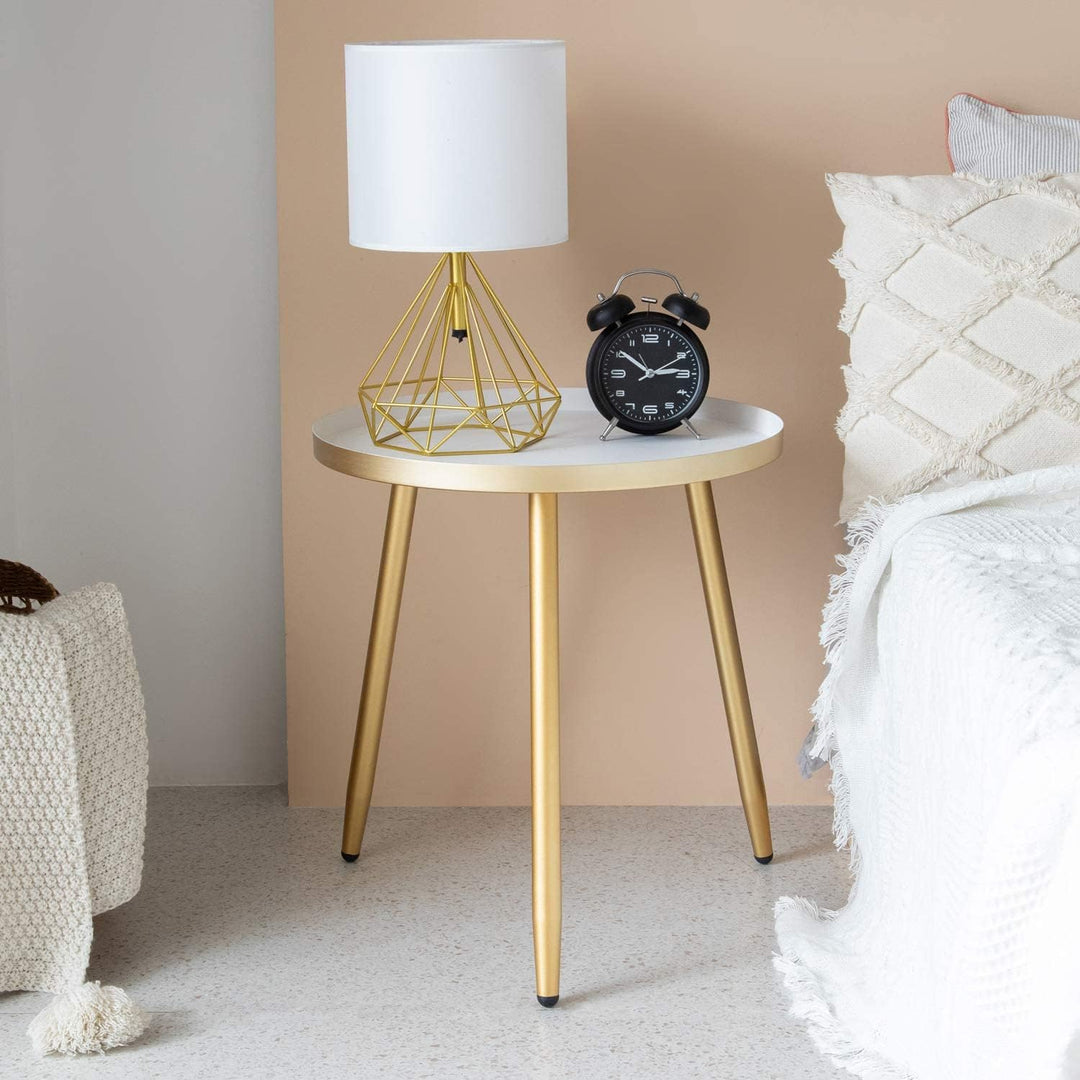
(486, 391)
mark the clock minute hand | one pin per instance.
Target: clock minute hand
(636, 363)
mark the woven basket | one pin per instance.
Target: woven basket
(21, 587)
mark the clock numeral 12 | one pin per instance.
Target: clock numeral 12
(650, 339)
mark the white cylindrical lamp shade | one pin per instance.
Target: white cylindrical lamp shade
(456, 145)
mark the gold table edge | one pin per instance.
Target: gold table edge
(444, 474)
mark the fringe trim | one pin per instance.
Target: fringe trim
(808, 1003)
(809, 1006)
(820, 745)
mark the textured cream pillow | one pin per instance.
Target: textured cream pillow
(963, 308)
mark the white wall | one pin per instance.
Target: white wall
(139, 431)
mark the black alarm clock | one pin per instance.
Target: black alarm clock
(647, 371)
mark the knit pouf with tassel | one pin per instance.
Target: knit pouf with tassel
(72, 803)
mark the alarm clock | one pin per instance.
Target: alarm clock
(647, 371)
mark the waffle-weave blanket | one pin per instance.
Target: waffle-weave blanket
(951, 717)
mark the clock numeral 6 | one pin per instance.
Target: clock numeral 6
(650, 410)
(620, 373)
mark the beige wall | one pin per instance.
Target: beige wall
(699, 133)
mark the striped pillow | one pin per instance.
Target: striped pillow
(992, 141)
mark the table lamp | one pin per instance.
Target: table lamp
(456, 147)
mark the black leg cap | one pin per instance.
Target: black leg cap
(764, 859)
(350, 858)
(548, 1002)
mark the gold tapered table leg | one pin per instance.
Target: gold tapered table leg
(380, 655)
(725, 637)
(544, 637)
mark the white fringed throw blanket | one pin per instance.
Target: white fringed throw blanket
(951, 717)
(72, 808)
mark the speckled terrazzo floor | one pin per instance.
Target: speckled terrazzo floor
(262, 955)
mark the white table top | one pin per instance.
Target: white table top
(735, 438)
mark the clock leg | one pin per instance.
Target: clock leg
(380, 655)
(544, 637)
(725, 637)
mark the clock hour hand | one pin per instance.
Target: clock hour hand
(670, 371)
(627, 356)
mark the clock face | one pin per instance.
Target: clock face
(648, 372)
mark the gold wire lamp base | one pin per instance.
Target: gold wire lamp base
(485, 389)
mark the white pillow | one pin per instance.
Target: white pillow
(963, 307)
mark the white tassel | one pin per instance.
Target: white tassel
(89, 1019)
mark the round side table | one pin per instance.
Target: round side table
(734, 439)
